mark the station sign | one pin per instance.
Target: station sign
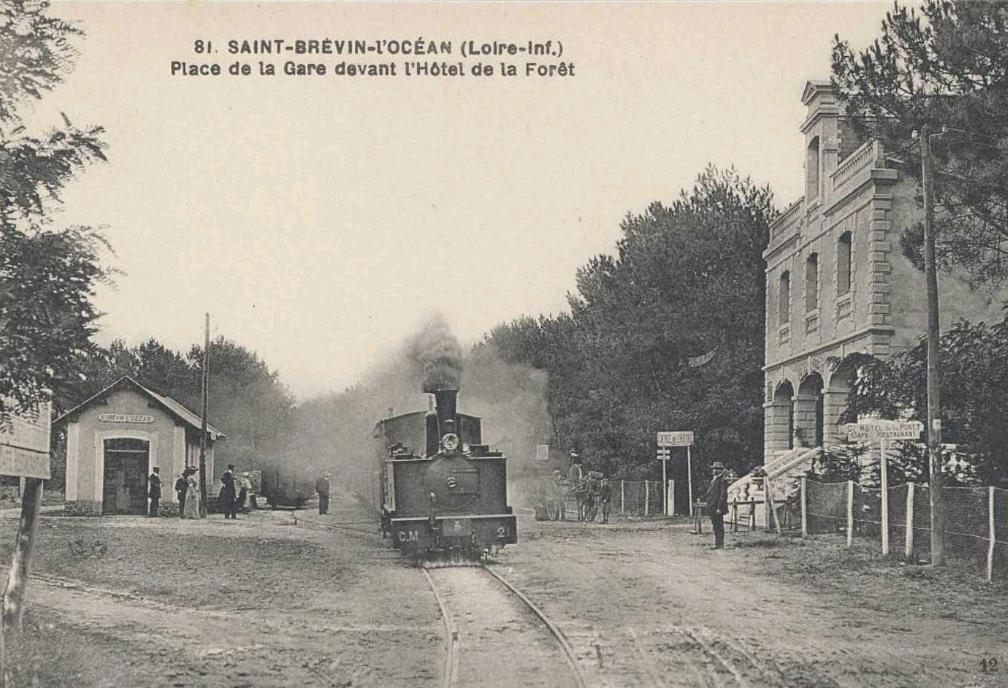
(884, 430)
(675, 438)
(125, 418)
(24, 444)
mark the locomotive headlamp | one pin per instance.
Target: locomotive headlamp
(450, 442)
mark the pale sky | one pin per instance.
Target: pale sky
(318, 219)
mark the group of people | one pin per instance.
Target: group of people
(235, 494)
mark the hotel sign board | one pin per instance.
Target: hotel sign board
(681, 438)
(884, 431)
(24, 444)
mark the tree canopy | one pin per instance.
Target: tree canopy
(47, 275)
(944, 66)
(667, 334)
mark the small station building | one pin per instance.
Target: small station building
(116, 438)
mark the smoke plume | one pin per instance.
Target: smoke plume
(437, 356)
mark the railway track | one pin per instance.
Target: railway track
(496, 636)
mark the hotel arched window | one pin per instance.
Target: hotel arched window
(844, 264)
(784, 299)
(812, 169)
(812, 282)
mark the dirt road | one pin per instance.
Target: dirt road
(649, 604)
(281, 599)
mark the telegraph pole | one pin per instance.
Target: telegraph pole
(203, 417)
(933, 371)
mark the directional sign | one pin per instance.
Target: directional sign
(884, 430)
(24, 445)
(664, 453)
(672, 438)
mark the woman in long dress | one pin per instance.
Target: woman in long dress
(192, 509)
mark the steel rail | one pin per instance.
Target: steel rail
(557, 634)
(450, 671)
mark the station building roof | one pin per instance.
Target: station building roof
(173, 407)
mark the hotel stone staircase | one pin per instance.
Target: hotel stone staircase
(783, 470)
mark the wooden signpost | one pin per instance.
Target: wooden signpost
(874, 430)
(667, 440)
(24, 452)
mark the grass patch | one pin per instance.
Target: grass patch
(870, 580)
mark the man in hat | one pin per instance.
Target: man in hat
(574, 473)
(717, 502)
(227, 495)
(154, 492)
(322, 488)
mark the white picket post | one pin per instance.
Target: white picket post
(883, 465)
(647, 495)
(622, 501)
(990, 524)
(850, 513)
(804, 508)
(908, 550)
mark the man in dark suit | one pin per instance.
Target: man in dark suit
(228, 493)
(322, 487)
(717, 502)
(154, 491)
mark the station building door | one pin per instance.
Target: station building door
(125, 478)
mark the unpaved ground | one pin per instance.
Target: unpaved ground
(260, 602)
(650, 604)
(277, 599)
(501, 643)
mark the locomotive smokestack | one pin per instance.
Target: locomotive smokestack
(446, 400)
(432, 436)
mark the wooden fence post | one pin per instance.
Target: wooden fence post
(990, 524)
(622, 501)
(883, 464)
(772, 507)
(850, 513)
(670, 497)
(766, 503)
(752, 513)
(804, 508)
(908, 550)
(647, 495)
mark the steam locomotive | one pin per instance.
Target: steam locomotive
(442, 490)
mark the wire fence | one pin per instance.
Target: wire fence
(976, 520)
